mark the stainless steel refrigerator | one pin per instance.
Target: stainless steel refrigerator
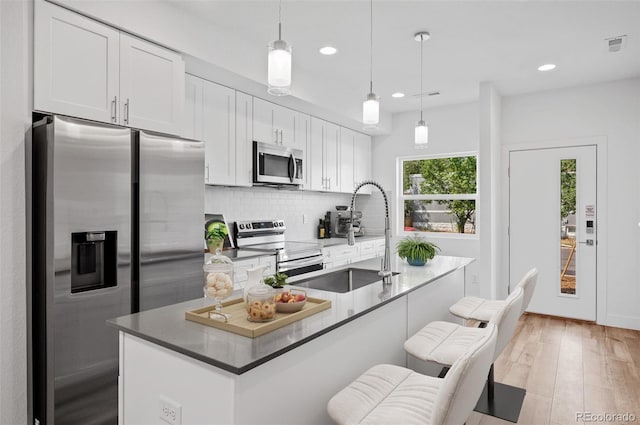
(116, 228)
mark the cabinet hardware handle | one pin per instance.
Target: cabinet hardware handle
(207, 173)
(126, 112)
(276, 131)
(114, 109)
(281, 138)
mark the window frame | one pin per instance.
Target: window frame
(401, 197)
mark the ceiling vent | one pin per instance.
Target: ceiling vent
(616, 44)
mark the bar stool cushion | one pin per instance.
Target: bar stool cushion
(442, 342)
(386, 394)
(474, 308)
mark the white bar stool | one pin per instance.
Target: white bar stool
(444, 342)
(481, 310)
(388, 394)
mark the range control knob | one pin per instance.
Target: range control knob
(248, 225)
(241, 226)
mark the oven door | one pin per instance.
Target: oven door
(277, 164)
(303, 265)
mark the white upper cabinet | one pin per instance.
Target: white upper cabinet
(323, 153)
(219, 133)
(193, 90)
(347, 143)
(151, 86)
(263, 130)
(76, 65)
(276, 124)
(362, 161)
(85, 69)
(244, 139)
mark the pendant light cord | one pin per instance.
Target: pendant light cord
(280, 20)
(371, 48)
(421, 77)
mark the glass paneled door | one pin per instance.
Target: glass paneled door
(552, 226)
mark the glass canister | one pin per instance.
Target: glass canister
(261, 306)
(218, 279)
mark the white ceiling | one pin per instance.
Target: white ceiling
(471, 41)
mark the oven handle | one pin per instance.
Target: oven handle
(295, 264)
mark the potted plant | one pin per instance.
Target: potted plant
(416, 250)
(215, 234)
(276, 281)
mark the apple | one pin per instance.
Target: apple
(299, 297)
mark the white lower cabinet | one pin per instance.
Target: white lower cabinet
(86, 69)
(344, 254)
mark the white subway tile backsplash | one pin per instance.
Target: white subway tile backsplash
(239, 203)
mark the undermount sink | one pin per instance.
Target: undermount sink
(342, 280)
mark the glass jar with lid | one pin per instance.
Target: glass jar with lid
(218, 279)
(261, 305)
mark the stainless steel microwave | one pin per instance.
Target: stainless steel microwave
(277, 165)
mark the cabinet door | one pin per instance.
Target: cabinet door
(219, 134)
(75, 65)
(151, 86)
(346, 159)
(263, 129)
(192, 127)
(315, 154)
(362, 161)
(244, 139)
(302, 134)
(284, 122)
(332, 140)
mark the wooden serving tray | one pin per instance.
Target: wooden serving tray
(239, 324)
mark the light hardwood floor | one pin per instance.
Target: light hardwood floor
(568, 367)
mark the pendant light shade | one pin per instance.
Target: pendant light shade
(371, 110)
(279, 63)
(371, 104)
(421, 134)
(422, 131)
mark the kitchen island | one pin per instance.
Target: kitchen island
(288, 375)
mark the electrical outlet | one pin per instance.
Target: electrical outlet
(304, 219)
(474, 279)
(170, 411)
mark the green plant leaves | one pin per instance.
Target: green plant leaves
(417, 248)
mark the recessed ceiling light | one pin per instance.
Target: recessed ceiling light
(546, 67)
(328, 50)
(397, 95)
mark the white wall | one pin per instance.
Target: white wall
(611, 110)
(15, 119)
(453, 128)
(266, 203)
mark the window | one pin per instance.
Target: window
(439, 194)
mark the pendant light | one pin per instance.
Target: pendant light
(422, 131)
(371, 105)
(279, 63)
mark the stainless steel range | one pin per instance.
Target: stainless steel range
(292, 258)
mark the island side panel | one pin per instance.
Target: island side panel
(149, 372)
(295, 387)
(430, 303)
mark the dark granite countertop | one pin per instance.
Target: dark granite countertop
(167, 326)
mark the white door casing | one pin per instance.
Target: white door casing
(534, 228)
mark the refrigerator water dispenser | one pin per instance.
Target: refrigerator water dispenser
(94, 260)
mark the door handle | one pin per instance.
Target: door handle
(126, 112)
(588, 242)
(114, 109)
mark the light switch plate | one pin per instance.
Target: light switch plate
(170, 411)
